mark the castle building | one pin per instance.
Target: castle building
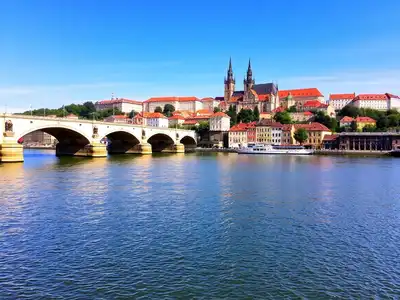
(263, 96)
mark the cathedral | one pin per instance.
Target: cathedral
(265, 95)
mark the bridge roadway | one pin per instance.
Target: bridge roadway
(82, 137)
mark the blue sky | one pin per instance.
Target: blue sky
(56, 52)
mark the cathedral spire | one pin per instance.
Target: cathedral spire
(249, 72)
(229, 77)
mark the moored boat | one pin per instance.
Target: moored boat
(275, 149)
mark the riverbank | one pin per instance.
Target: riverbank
(317, 152)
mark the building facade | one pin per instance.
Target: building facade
(219, 122)
(338, 101)
(269, 132)
(300, 96)
(364, 141)
(316, 133)
(238, 136)
(191, 104)
(123, 105)
(376, 101)
(361, 122)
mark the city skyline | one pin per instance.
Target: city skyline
(70, 52)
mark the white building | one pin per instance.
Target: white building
(176, 120)
(210, 103)
(156, 120)
(338, 101)
(124, 105)
(276, 133)
(376, 101)
(220, 122)
(191, 104)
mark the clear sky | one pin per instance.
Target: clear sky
(56, 52)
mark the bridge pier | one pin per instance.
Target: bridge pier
(174, 148)
(94, 149)
(119, 148)
(11, 152)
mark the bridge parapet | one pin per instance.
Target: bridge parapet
(83, 137)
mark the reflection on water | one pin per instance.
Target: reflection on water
(210, 225)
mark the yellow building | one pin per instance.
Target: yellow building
(316, 133)
(361, 122)
(237, 136)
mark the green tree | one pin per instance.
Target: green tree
(283, 117)
(369, 128)
(350, 111)
(394, 120)
(256, 114)
(301, 135)
(382, 123)
(158, 109)
(245, 116)
(353, 126)
(132, 114)
(217, 109)
(203, 127)
(323, 118)
(168, 110)
(292, 109)
(232, 113)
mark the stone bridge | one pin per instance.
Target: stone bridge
(82, 137)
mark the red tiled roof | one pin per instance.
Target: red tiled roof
(370, 97)
(190, 122)
(314, 103)
(176, 117)
(287, 127)
(309, 92)
(171, 99)
(308, 113)
(314, 126)
(346, 119)
(365, 120)
(239, 127)
(207, 99)
(154, 115)
(119, 100)
(220, 114)
(263, 97)
(341, 96)
(330, 137)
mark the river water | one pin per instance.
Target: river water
(203, 226)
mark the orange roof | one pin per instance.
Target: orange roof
(239, 127)
(313, 92)
(190, 122)
(346, 119)
(185, 113)
(204, 111)
(119, 100)
(307, 113)
(370, 97)
(207, 99)
(155, 115)
(176, 117)
(220, 114)
(263, 97)
(341, 96)
(171, 99)
(314, 126)
(365, 120)
(314, 103)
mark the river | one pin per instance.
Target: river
(203, 226)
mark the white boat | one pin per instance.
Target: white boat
(275, 149)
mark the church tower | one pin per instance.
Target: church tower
(229, 82)
(248, 82)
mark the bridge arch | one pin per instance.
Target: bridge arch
(189, 143)
(122, 141)
(62, 133)
(161, 142)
